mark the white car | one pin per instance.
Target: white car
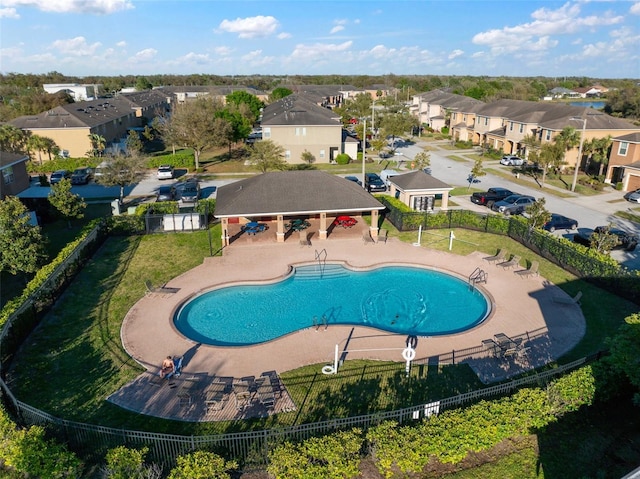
(165, 172)
(633, 196)
(511, 160)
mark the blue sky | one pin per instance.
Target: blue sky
(454, 37)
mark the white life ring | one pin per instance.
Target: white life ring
(409, 354)
(328, 369)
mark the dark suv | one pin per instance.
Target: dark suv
(373, 182)
(625, 241)
(190, 191)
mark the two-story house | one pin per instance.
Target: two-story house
(624, 161)
(299, 125)
(14, 177)
(70, 126)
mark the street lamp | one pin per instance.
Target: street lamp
(373, 117)
(364, 149)
(575, 171)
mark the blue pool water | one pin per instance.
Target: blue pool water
(403, 300)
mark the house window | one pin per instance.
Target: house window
(301, 131)
(464, 118)
(510, 126)
(321, 153)
(521, 127)
(287, 154)
(486, 121)
(266, 133)
(7, 175)
(622, 150)
(548, 137)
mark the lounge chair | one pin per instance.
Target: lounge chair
(515, 259)
(242, 395)
(530, 271)
(190, 388)
(265, 392)
(216, 396)
(159, 289)
(565, 300)
(491, 347)
(367, 238)
(497, 258)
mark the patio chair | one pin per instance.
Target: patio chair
(241, 395)
(530, 271)
(515, 259)
(491, 347)
(188, 391)
(367, 238)
(497, 258)
(216, 396)
(265, 392)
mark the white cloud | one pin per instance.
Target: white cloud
(121, 44)
(319, 50)
(283, 36)
(98, 7)
(535, 35)
(250, 27)
(223, 51)
(455, 53)
(478, 55)
(635, 9)
(9, 13)
(336, 29)
(145, 55)
(77, 47)
(194, 58)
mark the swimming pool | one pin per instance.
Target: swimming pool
(397, 299)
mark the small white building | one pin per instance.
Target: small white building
(78, 92)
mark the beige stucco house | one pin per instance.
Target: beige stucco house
(438, 108)
(71, 125)
(624, 162)
(298, 125)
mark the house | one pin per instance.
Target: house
(624, 162)
(13, 169)
(279, 197)
(181, 94)
(561, 92)
(70, 126)
(420, 191)
(76, 91)
(437, 107)
(297, 124)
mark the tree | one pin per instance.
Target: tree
(122, 171)
(476, 172)
(194, 125)
(202, 465)
(134, 143)
(125, 463)
(538, 214)
(395, 124)
(267, 155)
(601, 152)
(308, 157)
(69, 205)
(551, 156)
(279, 93)
(98, 144)
(241, 97)
(22, 246)
(567, 139)
(36, 143)
(421, 161)
(531, 144)
(13, 139)
(602, 240)
(238, 127)
(143, 84)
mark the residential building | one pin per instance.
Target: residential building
(624, 162)
(13, 172)
(438, 108)
(181, 94)
(70, 126)
(76, 91)
(298, 125)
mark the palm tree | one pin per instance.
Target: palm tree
(602, 152)
(38, 144)
(531, 143)
(568, 138)
(98, 144)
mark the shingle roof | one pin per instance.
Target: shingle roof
(9, 159)
(291, 193)
(418, 180)
(296, 110)
(631, 137)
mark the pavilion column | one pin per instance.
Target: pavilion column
(225, 231)
(374, 224)
(445, 200)
(280, 229)
(322, 232)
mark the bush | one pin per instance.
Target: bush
(125, 463)
(343, 159)
(202, 465)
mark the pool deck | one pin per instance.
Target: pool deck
(521, 307)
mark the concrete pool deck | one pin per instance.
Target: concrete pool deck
(522, 307)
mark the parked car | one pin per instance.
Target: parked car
(165, 172)
(512, 160)
(625, 240)
(513, 205)
(166, 193)
(355, 179)
(559, 222)
(489, 197)
(373, 182)
(633, 196)
(81, 176)
(190, 191)
(58, 176)
(385, 175)
(99, 171)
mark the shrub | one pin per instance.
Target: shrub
(343, 159)
(202, 465)
(125, 463)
